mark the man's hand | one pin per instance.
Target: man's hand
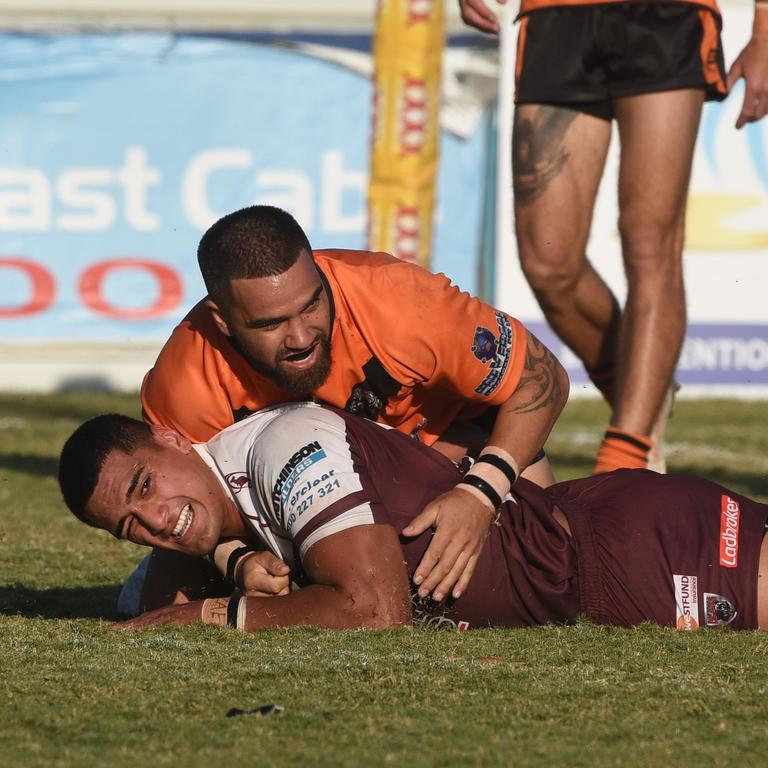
(752, 65)
(169, 616)
(478, 15)
(262, 574)
(461, 523)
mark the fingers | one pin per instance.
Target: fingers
(751, 65)
(428, 562)
(267, 586)
(422, 521)
(263, 574)
(463, 582)
(440, 582)
(477, 14)
(753, 108)
(443, 564)
(274, 565)
(734, 73)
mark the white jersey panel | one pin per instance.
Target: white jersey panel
(286, 473)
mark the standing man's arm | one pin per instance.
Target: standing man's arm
(359, 580)
(462, 517)
(752, 65)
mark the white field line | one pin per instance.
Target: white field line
(12, 423)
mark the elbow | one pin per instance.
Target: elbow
(376, 610)
(562, 385)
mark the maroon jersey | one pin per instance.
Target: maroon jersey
(678, 551)
(304, 472)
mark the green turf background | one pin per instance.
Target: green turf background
(75, 691)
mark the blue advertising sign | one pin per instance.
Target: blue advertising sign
(119, 150)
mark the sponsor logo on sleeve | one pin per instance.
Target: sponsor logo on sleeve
(729, 532)
(488, 349)
(237, 481)
(293, 469)
(718, 610)
(686, 602)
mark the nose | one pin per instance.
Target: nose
(154, 516)
(299, 333)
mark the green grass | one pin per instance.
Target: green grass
(75, 691)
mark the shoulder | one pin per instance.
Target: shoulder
(193, 358)
(274, 431)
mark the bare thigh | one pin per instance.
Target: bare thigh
(658, 136)
(558, 159)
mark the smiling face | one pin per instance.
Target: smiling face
(282, 325)
(163, 495)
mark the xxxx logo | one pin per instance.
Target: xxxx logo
(413, 115)
(406, 235)
(419, 10)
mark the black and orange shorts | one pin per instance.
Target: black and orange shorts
(585, 56)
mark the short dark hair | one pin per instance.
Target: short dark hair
(258, 241)
(86, 450)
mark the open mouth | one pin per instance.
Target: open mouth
(186, 516)
(300, 357)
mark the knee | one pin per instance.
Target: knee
(652, 246)
(548, 269)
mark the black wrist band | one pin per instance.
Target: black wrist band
(538, 457)
(485, 488)
(232, 606)
(233, 559)
(503, 466)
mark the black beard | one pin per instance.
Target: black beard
(299, 383)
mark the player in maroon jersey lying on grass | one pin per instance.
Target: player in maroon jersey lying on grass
(330, 494)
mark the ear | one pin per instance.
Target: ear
(218, 318)
(171, 437)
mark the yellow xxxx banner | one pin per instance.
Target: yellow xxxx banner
(408, 48)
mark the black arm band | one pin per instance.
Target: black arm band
(232, 606)
(484, 488)
(232, 560)
(500, 464)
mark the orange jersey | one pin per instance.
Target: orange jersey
(445, 354)
(526, 6)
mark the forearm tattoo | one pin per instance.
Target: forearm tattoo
(538, 155)
(539, 380)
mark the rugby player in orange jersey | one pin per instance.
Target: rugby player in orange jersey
(651, 65)
(373, 335)
(328, 492)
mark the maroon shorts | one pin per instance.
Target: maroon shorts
(676, 550)
(583, 57)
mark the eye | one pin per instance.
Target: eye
(145, 486)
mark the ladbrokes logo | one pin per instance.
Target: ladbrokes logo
(729, 532)
(686, 602)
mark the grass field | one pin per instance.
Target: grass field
(75, 691)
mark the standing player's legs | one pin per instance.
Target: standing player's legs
(658, 134)
(558, 160)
